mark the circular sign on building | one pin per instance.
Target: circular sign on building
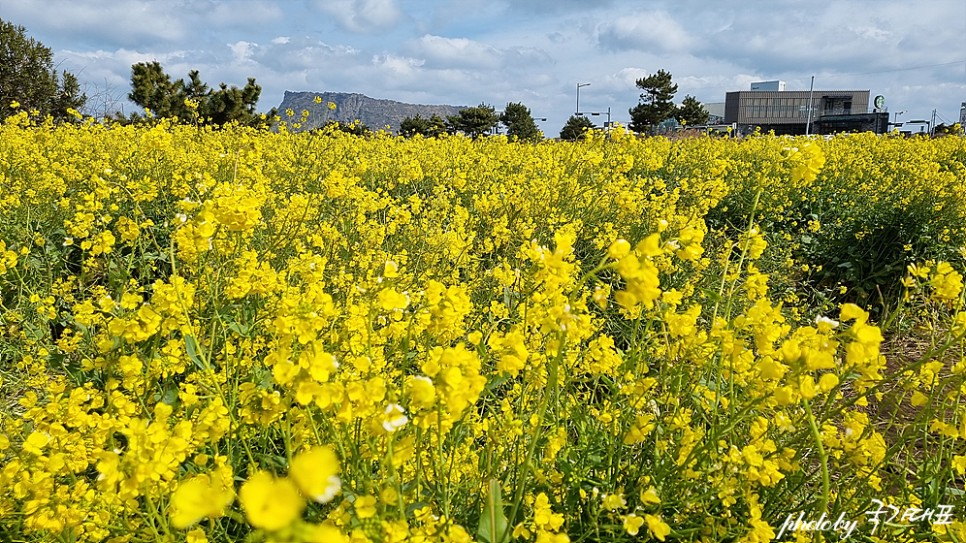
(879, 102)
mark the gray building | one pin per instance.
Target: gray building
(716, 112)
(787, 112)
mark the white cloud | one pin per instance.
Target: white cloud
(465, 54)
(363, 15)
(455, 52)
(242, 51)
(129, 23)
(304, 53)
(646, 31)
(398, 66)
(626, 77)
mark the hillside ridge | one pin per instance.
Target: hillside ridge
(376, 113)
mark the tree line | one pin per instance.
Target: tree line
(476, 122)
(656, 106)
(29, 82)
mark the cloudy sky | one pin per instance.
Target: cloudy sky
(466, 52)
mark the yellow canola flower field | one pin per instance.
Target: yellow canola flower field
(241, 335)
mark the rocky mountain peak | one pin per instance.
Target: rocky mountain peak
(375, 113)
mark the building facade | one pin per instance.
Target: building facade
(716, 112)
(775, 85)
(801, 112)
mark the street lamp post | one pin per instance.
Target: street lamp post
(599, 113)
(577, 112)
(895, 117)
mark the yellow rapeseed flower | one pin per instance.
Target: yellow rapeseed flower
(324, 533)
(633, 523)
(199, 497)
(649, 496)
(196, 536)
(657, 526)
(391, 300)
(365, 507)
(270, 503)
(959, 463)
(316, 472)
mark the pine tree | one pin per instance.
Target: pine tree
(418, 125)
(519, 122)
(194, 101)
(691, 112)
(575, 128)
(474, 121)
(657, 102)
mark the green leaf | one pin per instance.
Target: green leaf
(240, 329)
(191, 347)
(496, 383)
(170, 395)
(493, 523)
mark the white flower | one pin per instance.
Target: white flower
(831, 322)
(333, 488)
(395, 418)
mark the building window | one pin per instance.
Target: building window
(847, 106)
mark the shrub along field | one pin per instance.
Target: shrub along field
(232, 335)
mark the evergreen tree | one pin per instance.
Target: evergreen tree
(473, 121)
(691, 112)
(28, 78)
(429, 128)
(519, 122)
(193, 101)
(575, 128)
(657, 102)
(69, 97)
(153, 89)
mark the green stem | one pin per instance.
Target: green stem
(822, 456)
(528, 460)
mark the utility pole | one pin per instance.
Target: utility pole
(808, 123)
(932, 125)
